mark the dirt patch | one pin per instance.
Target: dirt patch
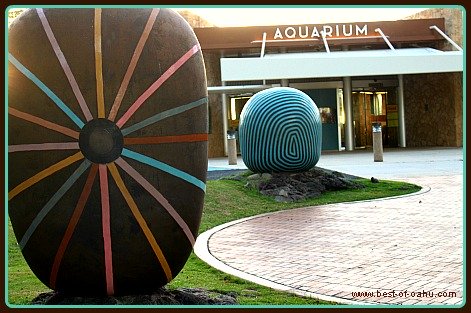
(289, 187)
(164, 296)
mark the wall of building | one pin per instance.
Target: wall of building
(458, 98)
(433, 109)
(213, 76)
(453, 24)
(193, 19)
(434, 102)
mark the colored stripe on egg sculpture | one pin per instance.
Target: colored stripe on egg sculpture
(127, 89)
(280, 131)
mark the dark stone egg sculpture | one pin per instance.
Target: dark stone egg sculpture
(280, 130)
(107, 146)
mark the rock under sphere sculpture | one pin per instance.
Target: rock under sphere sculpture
(280, 131)
(107, 146)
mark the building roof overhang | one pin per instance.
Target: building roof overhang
(240, 39)
(341, 64)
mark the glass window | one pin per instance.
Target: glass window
(327, 115)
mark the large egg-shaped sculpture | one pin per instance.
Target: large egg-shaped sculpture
(280, 131)
(107, 146)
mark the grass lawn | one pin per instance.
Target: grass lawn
(226, 200)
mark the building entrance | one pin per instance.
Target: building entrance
(370, 106)
(234, 108)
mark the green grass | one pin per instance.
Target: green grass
(23, 286)
(225, 201)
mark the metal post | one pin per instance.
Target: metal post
(378, 30)
(401, 115)
(446, 37)
(347, 104)
(326, 45)
(262, 52)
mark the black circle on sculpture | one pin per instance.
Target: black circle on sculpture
(101, 141)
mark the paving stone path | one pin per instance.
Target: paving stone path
(406, 250)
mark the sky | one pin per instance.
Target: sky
(226, 17)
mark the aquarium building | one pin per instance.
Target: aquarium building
(406, 75)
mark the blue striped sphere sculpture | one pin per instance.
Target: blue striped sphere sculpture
(280, 131)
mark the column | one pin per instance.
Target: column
(401, 115)
(284, 82)
(224, 118)
(347, 105)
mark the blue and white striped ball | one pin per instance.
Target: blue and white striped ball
(280, 131)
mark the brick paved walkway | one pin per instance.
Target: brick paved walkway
(411, 244)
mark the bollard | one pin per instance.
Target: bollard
(377, 143)
(232, 148)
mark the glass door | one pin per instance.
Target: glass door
(235, 106)
(369, 106)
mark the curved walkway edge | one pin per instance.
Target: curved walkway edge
(202, 251)
(382, 251)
